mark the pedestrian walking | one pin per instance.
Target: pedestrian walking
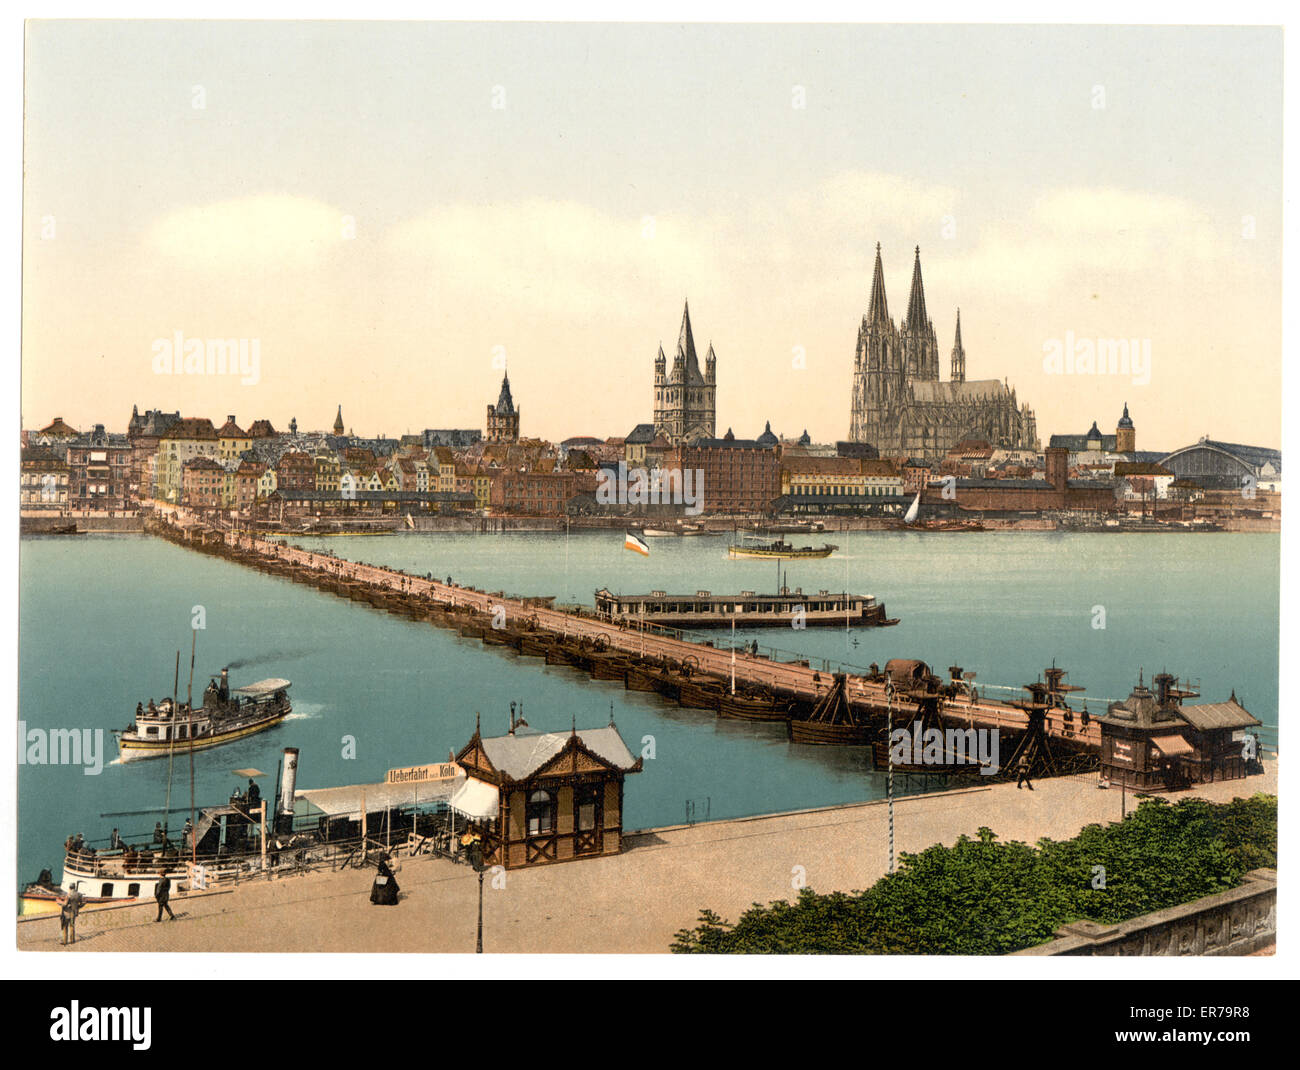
(162, 892)
(1022, 771)
(70, 904)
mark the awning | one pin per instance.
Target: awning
(476, 799)
(1172, 746)
(336, 802)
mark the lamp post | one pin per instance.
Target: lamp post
(476, 860)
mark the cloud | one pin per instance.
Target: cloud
(265, 232)
(559, 258)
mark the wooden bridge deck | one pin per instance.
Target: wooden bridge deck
(745, 668)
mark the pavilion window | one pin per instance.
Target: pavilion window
(540, 813)
(588, 798)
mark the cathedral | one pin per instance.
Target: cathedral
(685, 400)
(901, 407)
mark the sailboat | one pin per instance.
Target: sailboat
(913, 509)
(409, 522)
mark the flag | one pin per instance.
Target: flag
(632, 542)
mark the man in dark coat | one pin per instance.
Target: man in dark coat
(162, 892)
(69, 907)
(383, 892)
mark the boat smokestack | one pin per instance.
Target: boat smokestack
(287, 787)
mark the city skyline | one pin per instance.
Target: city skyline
(350, 198)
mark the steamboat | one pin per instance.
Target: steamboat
(760, 546)
(246, 836)
(747, 609)
(224, 715)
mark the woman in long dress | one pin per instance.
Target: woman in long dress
(384, 890)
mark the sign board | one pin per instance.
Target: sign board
(418, 774)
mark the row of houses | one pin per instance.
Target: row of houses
(261, 471)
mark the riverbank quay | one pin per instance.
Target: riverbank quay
(631, 903)
(791, 688)
(82, 524)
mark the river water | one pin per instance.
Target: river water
(102, 617)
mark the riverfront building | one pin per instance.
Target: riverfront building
(99, 472)
(1056, 493)
(1154, 741)
(740, 475)
(541, 797)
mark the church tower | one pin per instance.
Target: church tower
(685, 398)
(877, 367)
(920, 347)
(958, 355)
(503, 417)
(1125, 434)
(338, 421)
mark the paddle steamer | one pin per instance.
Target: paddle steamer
(225, 715)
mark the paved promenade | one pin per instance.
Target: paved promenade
(634, 902)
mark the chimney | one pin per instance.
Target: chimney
(289, 781)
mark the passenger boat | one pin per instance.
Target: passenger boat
(776, 548)
(225, 715)
(747, 609)
(246, 837)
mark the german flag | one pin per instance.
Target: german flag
(633, 542)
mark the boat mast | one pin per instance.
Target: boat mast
(171, 747)
(189, 706)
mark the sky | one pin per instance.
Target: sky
(394, 212)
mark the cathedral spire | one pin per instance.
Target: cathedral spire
(958, 355)
(916, 317)
(338, 422)
(686, 341)
(879, 309)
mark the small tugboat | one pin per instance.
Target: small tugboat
(758, 546)
(225, 715)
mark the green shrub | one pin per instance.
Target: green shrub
(985, 897)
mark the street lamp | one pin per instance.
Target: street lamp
(475, 852)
